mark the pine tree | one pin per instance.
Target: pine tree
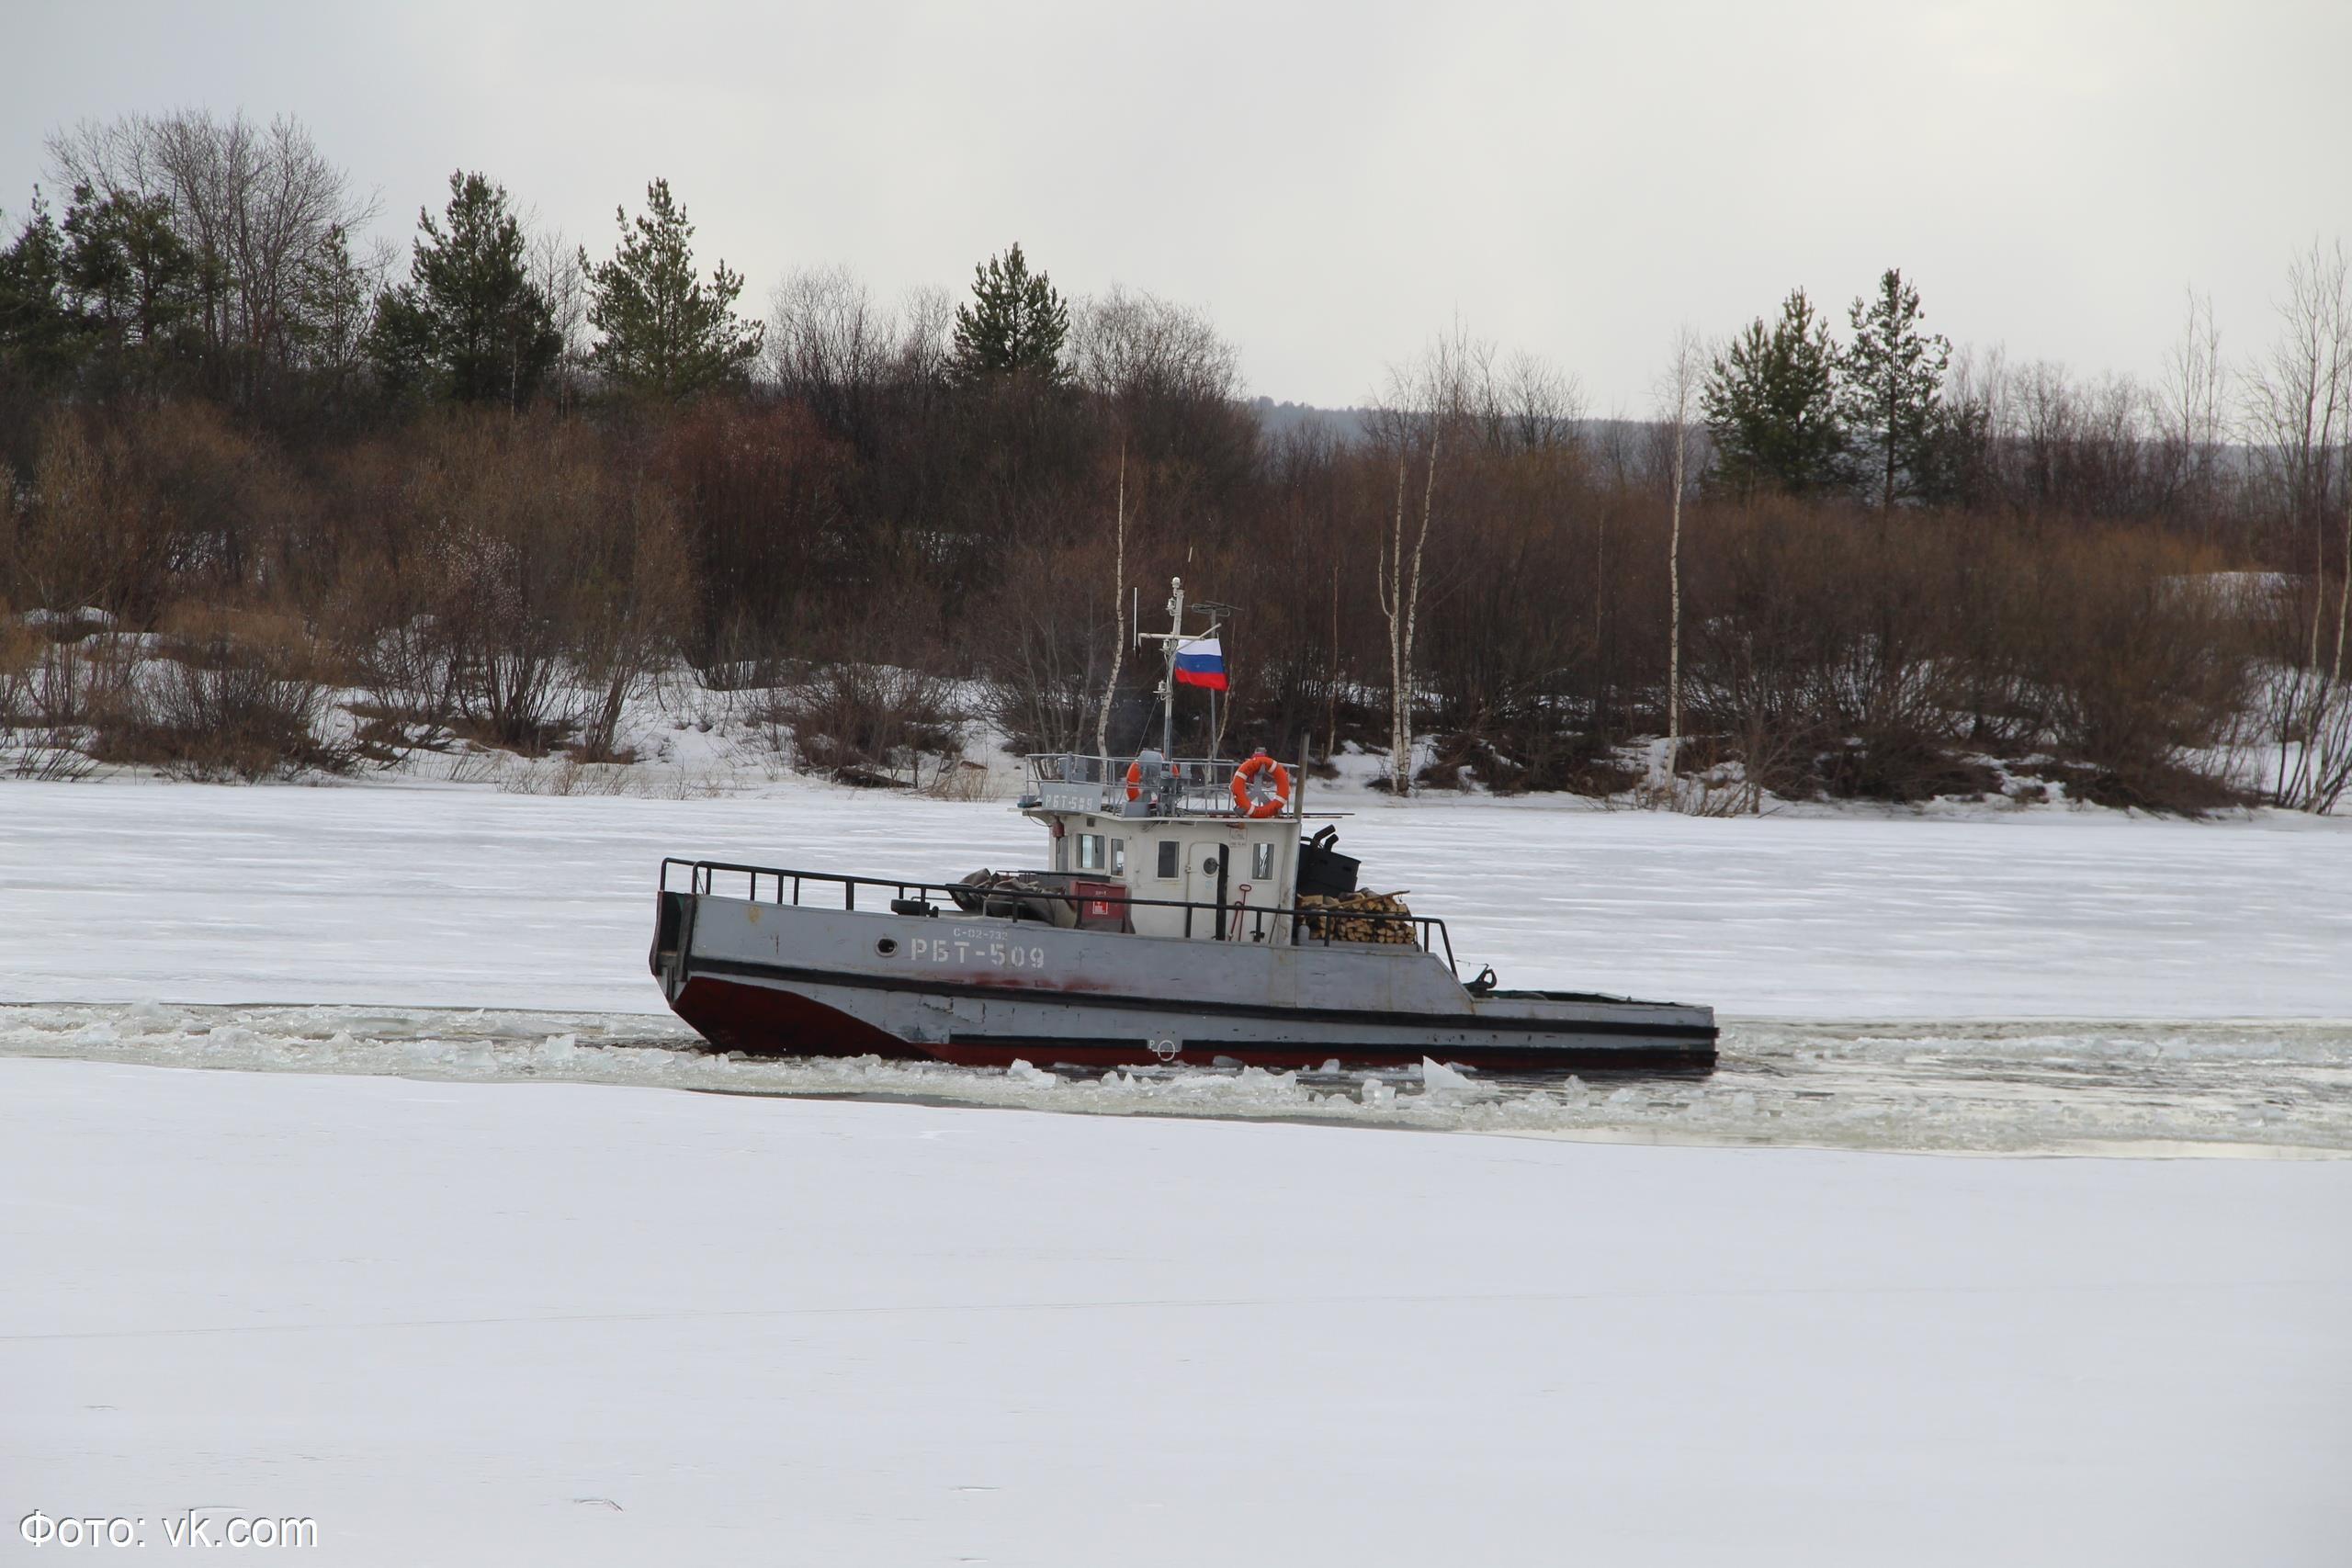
(329, 315)
(468, 324)
(136, 282)
(1893, 395)
(1014, 323)
(665, 333)
(38, 332)
(1771, 405)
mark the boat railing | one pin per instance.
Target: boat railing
(1191, 786)
(1307, 928)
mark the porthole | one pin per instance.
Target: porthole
(887, 946)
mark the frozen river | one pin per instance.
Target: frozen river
(2053, 981)
(452, 1258)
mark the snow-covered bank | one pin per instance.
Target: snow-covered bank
(2209, 1088)
(436, 896)
(471, 1323)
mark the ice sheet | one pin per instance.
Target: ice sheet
(431, 897)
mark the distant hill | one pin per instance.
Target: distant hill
(1278, 419)
(1350, 424)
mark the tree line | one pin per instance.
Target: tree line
(497, 482)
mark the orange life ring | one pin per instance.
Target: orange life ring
(1270, 805)
(1134, 781)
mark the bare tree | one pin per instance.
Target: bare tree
(2299, 418)
(1119, 616)
(1678, 395)
(1518, 402)
(1421, 401)
(552, 261)
(829, 344)
(2190, 406)
(1125, 343)
(926, 326)
(267, 215)
(2299, 408)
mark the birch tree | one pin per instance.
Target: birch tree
(1423, 399)
(2298, 416)
(2189, 407)
(2301, 411)
(1119, 616)
(1677, 396)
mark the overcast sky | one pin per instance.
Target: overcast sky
(1334, 182)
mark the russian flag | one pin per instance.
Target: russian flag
(1200, 661)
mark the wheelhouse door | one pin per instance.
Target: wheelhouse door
(1208, 879)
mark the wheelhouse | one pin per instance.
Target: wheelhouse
(1147, 834)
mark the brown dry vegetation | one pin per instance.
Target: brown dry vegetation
(514, 580)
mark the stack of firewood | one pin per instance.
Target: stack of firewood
(1344, 918)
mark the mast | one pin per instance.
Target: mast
(1168, 674)
(1169, 641)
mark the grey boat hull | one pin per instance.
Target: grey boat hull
(778, 979)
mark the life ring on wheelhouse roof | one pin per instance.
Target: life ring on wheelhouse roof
(1135, 780)
(1247, 795)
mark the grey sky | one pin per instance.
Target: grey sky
(1334, 182)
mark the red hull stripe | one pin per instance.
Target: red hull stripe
(767, 1021)
(1270, 1016)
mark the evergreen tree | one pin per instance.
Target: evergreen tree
(1893, 395)
(1014, 323)
(664, 332)
(333, 313)
(468, 324)
(135, 279)
(38, 332)
(1771, 405)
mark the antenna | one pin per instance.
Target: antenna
(1168, 641)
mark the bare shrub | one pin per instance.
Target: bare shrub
(2305, 708)
(759, 497)
(77, 682)
(21, 648)
(2146, 670)
(543, 587)
(961, 780)
(1041, 638)
(628, 616)
(94, 534)
(30, 746)
(871, 724)
(241, 700)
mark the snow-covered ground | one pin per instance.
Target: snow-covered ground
(477, 1324)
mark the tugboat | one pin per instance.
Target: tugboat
(1186, 919)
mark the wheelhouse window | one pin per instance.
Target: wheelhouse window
(1090, 855)
(1261, 862)
(1168, 853)
(1118, 855)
